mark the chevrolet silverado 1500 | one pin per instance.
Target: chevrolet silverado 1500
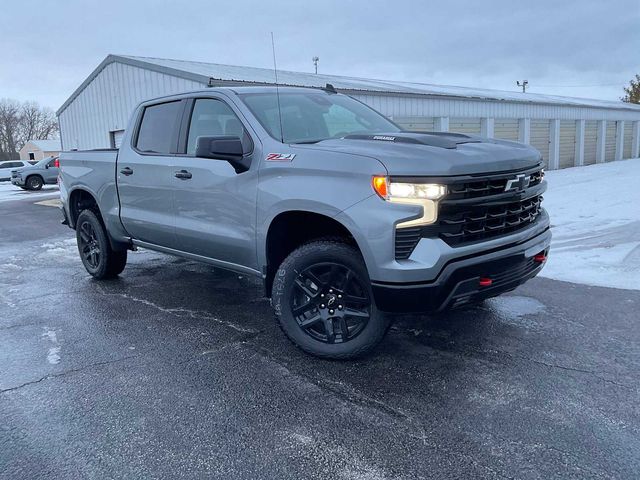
(341, 213)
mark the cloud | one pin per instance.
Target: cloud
(486, 44)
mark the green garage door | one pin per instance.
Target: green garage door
(610, 143)
(540, 138)
(628, 140)
(420, 124)
(465, 125)
(590, 141)
(567, 143)
(506, 128)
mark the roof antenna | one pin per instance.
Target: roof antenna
(275, 72)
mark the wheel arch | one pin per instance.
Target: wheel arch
(82, 199)
(292, 228)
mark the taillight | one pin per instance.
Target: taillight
(56, 163)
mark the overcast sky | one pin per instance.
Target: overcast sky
(588, 48)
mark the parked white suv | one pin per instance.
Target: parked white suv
(6, 167)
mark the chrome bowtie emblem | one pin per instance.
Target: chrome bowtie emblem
(519, 183)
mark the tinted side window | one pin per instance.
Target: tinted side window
(213, 117)
(158, 127)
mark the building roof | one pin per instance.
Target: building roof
(47, 145)
(233, 75)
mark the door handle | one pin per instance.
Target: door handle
(183, 174)
(126, 171)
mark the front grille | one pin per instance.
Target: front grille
(478, 209)
(487, 186)
(465, 224)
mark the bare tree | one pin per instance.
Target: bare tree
(9, 128)
(21, 122)
(36, 123)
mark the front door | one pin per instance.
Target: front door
(215, 207)
(146, 175)
(51, 171)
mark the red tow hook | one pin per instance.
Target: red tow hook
(485, 282)
(540, 257)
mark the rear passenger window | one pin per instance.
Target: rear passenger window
(214, 117)
(157, 133)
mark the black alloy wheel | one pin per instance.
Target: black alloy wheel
(324, 303)
(96, 252)
(330, 303)
(88, 245)
(34, 182)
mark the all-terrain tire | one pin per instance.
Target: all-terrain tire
(34, 182)
(308, 256)
(97, 256)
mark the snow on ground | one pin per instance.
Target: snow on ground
(595, 220)
(9, 192)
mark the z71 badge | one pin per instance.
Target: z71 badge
(280, 157)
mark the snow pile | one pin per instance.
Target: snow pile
(9, 192)
(595, 220)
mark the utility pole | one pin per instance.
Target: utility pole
(524, 85)
(315, 61)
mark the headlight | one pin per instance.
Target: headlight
(423, 194)
(430, 191)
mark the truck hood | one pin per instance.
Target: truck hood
(436, 154)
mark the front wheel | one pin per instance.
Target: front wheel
(97, 256)
(323, 301)
(34, 182)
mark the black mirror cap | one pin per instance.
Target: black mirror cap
(223, 147)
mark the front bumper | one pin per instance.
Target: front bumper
(459, 281)
(18, 181)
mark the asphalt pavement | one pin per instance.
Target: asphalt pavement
(178, 370)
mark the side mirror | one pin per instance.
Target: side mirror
(223, 147)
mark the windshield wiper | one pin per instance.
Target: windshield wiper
(305, 142)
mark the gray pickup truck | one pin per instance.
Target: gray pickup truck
(340, 212)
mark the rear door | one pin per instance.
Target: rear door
(145, 174)
(215, 207)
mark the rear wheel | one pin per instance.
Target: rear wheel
(323, 301)
(34, 182)
(97, 256)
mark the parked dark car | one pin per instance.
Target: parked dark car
(33, 177)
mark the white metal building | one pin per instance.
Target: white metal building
(568, 131)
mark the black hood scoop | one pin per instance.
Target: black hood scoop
(432, 139)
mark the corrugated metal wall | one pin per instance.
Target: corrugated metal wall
(590, 141)
(424, 124)
(610, 143)
(107, 102)
(567, 143)
(540, 137)
(628, 140)
(464, 125)
(506, 128)
(419, 105)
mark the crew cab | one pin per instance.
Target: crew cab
(340, 212)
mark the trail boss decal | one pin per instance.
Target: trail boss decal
(280, 157)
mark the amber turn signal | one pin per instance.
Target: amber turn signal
(380, 185)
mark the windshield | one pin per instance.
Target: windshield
(43, 162)
(309, 117)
